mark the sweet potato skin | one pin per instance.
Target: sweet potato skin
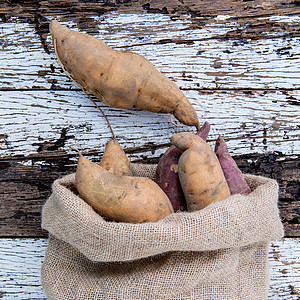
(200, 174)
(166, 177)
(167, 173)
(114, 159)
(234, 177)
(118, 78)
(120, 198)
(185, 140)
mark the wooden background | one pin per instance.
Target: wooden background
(236, 61)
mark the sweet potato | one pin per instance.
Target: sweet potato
(119, 78)
(120, 198)
(115, 160)
(200, 174)
(166, 175)
(204, 131)
(234, 177)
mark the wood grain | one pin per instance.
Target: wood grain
(284, 269)
(204, 57)
(21, 260)
(260, 121)
(236, 60)
(80, 11)
(25, 183)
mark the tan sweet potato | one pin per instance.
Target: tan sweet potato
(166, 175)
(114, 159)
(200, 173)
(120, 198)
(118, 78)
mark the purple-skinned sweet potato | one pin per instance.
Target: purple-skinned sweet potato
(234, 177)
(167, 172)
(167, 178)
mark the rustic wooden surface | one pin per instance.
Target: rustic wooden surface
(236, 61)
(255, 81)
(25, 187)
(20, 278)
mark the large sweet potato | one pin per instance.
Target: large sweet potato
(120, 198)
(200, 174)
(118, 78)
(167, 172)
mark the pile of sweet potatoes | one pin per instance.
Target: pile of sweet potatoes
(113, 192)
(189, 176)
(204, 175)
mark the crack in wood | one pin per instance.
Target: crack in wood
(41, 26)
(200, 89)
(60, 142)
(204, 12)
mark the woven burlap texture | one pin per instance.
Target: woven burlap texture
(220, 252)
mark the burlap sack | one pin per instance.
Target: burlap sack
(220, 252)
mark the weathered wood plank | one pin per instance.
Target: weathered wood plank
(290, 215)
(25, 183)
(237, 61)
(21, 259)
(81, 10)
(284, 269)
(194, 58)
(251, 121)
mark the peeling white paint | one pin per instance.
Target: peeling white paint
(241, 64)
(223, 17)
(283, 19)
(29, 118)
(255, 122)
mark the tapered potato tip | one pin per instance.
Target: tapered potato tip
(56, 27)
(186, 114)
(58, 32)
(115, 160)
(221, 147)
(204, 131)
(186, 140)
